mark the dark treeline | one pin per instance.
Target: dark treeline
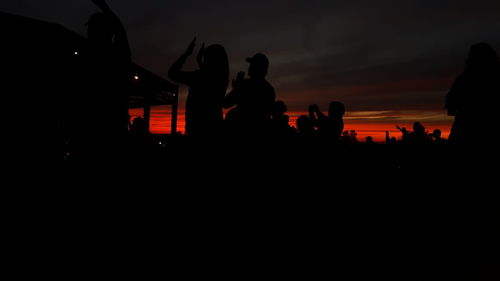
(245, 191)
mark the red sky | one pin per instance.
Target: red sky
(390, 62)
(365, 123)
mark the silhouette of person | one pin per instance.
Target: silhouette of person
(436, 137)
(349, 137)
(139, 127)
(100, 118)
(419, 134)
(207, 87)
(329, 127)
(405, 135)
(305, 127)
(139, 140)
(280, 120)
(111, 48)
(389, 139)
(254, 98)
(473, 97)
(415, 137)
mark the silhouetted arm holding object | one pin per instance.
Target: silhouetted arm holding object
(175, 72)
(454, 95)
(121, 40)
(199, 57)
(315, 114)
(231, 98)
(312, 114)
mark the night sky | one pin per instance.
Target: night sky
(390, 62)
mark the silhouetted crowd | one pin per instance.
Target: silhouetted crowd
(254, 115)
(247, 185)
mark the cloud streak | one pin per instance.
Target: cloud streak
(372, 55)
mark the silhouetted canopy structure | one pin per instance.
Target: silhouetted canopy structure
(149, 90)
(38, 60)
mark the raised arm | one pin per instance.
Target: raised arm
(320, 115)
(315, 114)
(231, 99)
(454, 97)
(175, 72)
(121, 40)
(312, 115)
(199, 57)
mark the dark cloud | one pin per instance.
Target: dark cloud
(373, 54)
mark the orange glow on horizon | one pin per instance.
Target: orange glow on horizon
(161, 124)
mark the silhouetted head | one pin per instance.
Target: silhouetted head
(369, 139)
(418, 127)
(100, 29)
(216, 63)
(139, 126)
(436, 134)
(280, 108)
(336, 109)
(138, 121)
(482, 58)
(259, 65)
(304, 124)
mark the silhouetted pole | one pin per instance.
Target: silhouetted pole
(175, 106)
(147, 112)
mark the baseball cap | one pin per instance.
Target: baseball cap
(259, 58)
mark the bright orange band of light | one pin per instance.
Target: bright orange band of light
(161, 124)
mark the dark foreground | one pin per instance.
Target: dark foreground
(353, 212)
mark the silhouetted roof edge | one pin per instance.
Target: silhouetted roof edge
(78, 37)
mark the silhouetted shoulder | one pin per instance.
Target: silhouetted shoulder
(455, 95)
(269, 86)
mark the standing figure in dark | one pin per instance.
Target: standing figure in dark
(281, 128)
(207, 87)
(100, 121)
(305, 127)
(329, 127)
(405, 134)
(419, 135)
(254, 99)
(436, 137)
(474, 97)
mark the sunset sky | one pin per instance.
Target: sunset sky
(390, 62)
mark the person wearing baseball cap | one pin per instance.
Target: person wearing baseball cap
(259, 65)
(253, 98)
